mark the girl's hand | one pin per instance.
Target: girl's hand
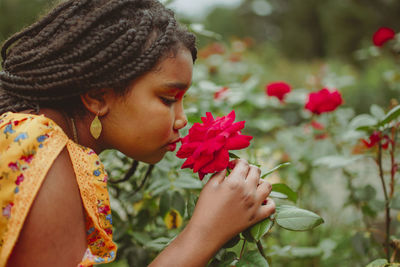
(229, 205)
(226, 206)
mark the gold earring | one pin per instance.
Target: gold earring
(95, 127)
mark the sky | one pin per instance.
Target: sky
(198, 8)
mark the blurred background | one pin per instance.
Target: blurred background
(243, 46)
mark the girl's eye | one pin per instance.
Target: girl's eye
(168, 101)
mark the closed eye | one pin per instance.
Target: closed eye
(168, 101)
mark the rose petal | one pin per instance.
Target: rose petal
(219, 163)
(238, 142)
(187, 149)
(202, 161)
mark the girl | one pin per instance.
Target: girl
(95, 75)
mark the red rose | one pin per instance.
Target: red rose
(382, 35)
(207, 144)
(323, 101)
(375, 138)
(278, 89)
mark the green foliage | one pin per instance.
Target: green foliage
(332, 172)
(295, 219)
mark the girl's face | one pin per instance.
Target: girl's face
(145, 123)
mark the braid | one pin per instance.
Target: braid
(43, 35)
(34, 27)
(83, 45)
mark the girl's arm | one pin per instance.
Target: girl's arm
(54, 230)
(226, 206)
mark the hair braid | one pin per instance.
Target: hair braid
(141, 64)
(34, 27)
(51, 29)
(24, 52)
(83, 45)
(96, 42)
(81, 67)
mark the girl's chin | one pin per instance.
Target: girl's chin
(151, 160)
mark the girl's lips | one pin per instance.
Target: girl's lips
(171, 147)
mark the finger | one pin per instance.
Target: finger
(218, 177)
(253, 177)
(263, 190)
(266, 210)
(240, 170)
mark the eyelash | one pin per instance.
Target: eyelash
(168, 101)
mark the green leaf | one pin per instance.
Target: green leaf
(178, 202)
(377, 111)
(260, 229)
(393, 114)
(141, 237)
(274, 169)
(225, 259)
(191, 204)
(365, 193)
(278, 195)
(165, 203)
(366, 128)
(187, 182)
(234, 156)
(296, 219)
(284, 189)
(378, 263)
(252, 259)
(256, 232)
(363, 120)
(158, 244)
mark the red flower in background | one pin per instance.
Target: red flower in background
(221, 93)
(316, 125)
(207, 144)
(278, 90)
(382, 35)
(323, 101)
(375, 138)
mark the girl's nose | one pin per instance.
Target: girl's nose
(180, 122)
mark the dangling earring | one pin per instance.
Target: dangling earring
(95, 127)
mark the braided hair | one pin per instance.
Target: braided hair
(86, 44)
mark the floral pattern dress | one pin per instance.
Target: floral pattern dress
(29, 144)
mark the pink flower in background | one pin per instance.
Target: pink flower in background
(382, 35)
(278, 90)
(207, 144)
(323, 101)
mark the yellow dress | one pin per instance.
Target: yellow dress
(29, 144)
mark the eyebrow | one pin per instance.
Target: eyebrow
(178, 85)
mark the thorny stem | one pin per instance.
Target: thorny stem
(387, 207)
(242, 250)
(393, 166)
(261, 249)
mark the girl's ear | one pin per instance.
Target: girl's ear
(98, 101)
